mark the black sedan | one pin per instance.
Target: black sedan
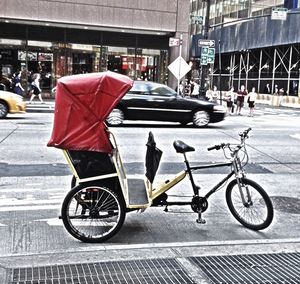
(157, 102)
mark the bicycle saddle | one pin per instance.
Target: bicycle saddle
(181, 147)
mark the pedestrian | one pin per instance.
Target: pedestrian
(267, 89)
(280, 94)
(36, 88)
(181, 89)
(275, 90)
(17, 86)
(240, 98)
(230, 96)
(195, 92)
(214, 95)
(251, 101)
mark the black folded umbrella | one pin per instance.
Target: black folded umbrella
(153, 156)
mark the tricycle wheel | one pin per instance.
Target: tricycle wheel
(93, 213)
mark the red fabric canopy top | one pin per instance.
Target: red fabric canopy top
(82, 104)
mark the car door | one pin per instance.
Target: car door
(169, 106)
(136, 102)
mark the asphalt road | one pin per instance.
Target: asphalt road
(34, 180)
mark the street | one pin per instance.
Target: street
(34, 180)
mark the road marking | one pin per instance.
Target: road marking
(29, 208)
(296, 136)
(51, 221)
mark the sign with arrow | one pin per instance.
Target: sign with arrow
(206, 42)
(207, 55)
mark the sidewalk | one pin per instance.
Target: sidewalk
(206, 262)
(48, 106)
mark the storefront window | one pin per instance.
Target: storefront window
(54, 60)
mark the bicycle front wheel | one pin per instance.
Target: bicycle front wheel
(249, 204)
(92, 213)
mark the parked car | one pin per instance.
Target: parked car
(11, 103)
(157, 102)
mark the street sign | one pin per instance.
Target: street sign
(211, 55)
(203, 60)
(173, 41)
(279, 14)
(179, 67)
(196, 20)
(206, 42)
(207, 55)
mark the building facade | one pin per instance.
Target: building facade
(58, 38)
(253, 48)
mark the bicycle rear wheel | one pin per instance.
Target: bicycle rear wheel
(250, 205)
(92, 213)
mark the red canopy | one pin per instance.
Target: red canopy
(82, 104)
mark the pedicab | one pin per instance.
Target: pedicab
(94, 209)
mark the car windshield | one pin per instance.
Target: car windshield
(151, 88)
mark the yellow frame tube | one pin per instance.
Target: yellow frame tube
(165, 186)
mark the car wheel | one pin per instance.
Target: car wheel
(3, 110)
(201, 118)
(116, 117)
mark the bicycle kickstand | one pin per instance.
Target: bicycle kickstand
(200, 220)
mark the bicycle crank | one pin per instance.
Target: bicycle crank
(199, 204)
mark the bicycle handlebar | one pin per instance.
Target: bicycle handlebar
(243, 135)
(216, 147)
(245, 132)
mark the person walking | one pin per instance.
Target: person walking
(230, 96)
(240, 98)
(18, 89)
(195, 92)
(251, 101)
(214, 95)
(36, 89)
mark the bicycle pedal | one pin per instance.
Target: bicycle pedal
(200, 221)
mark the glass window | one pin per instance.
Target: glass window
(162, 90)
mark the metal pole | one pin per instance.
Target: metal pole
(220, 71)
(289, 73)
(240, 71)
(259, 71)
(247, 70)
(179, 69)
(274, 69)
(206, 29)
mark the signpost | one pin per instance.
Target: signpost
(206, 43)
(207, 55)
(178, 67)
(196, 20)
(173, 41)
(279, 14)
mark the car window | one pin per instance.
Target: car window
(138, 88)
(162, 91)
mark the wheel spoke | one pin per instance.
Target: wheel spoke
(250, 205)
(92, 213)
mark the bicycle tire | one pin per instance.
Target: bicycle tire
(256, 214)
(73, 182)
(93, 213)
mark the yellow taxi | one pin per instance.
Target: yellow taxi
(11, 103)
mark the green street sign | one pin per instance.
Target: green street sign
(207, 55)
(196, 20)
(203, 60)
(211, 55)
(204, 51)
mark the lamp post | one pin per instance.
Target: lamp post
(220, 71)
